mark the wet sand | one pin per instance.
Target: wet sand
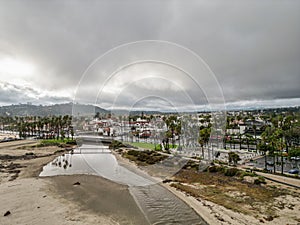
(30, 201)
(99, 196)
(55, 200)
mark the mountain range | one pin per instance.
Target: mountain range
(72, 109)
(48, 110)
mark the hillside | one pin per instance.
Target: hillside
(47, 110)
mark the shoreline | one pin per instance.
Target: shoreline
(213, 213)
(179, 194)
(95, 200)
(56, 200)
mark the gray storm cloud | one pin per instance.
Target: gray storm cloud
(252, 46)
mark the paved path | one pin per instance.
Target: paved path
(286, 180)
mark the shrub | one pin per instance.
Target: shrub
(260, 180)
(116, 144)
(71, 142)
(243, 174)
(230, 172)
(191, 165)
(214, 169)
(133, 152)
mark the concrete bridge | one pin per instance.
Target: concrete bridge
(86, 139)
(84, 150)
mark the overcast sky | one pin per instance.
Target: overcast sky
(252, 47)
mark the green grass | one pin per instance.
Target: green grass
(144, 145)
(148, 145)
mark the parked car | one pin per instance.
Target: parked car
(293, 171)
(296, 158)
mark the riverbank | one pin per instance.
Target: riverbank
(76, 199)
(86, 199)
(220, 199)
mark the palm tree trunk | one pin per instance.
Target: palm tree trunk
(248, 147)
(281, 163)
(240, 141)
(266, 167)
(274, 163)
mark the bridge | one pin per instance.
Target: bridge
(89, 150)
(85, 139)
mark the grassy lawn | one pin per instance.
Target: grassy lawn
(147, 145)
(144, 145)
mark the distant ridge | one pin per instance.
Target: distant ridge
(135, 112)
(67, 108)
(47, 110)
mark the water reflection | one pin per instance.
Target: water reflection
(94, 160)
(158, 204)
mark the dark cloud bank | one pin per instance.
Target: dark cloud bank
(251, 46)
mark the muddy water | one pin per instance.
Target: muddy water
(158, 204)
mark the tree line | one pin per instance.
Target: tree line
(49, 127)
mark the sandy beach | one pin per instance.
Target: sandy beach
(56, 200)
(87, 199)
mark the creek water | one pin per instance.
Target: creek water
(159, 205)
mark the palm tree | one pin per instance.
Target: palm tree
(240, 140)
(264, 147)
(268, 143)
(178, 131)
(204, 135)
(248, 139)
(255, 137)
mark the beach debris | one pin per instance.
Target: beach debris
(291, 206)
(167, 181)
(7, 213)
(76, 183)
(218, 216)
(269, 218)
